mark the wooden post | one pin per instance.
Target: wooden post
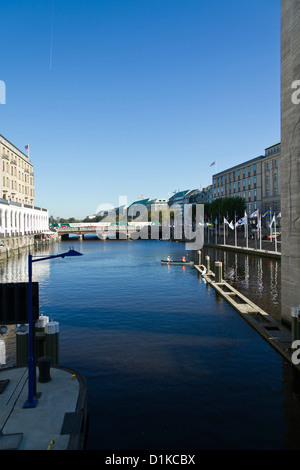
(218, 271)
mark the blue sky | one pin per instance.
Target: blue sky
(137, 97)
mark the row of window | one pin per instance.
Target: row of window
(273, 150)
(235, 174)
(14, 185)
(11, 157)
(275, 178)
(14, 171)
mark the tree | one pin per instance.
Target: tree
(225, 207)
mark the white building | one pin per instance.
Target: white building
(18, 215)
(18, 220)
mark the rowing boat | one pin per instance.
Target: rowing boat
(183, 263)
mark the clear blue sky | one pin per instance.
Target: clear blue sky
(137, 97)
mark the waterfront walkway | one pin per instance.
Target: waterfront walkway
(246, 250)
(58, 422)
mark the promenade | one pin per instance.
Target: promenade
(59, 420)
(241, 245)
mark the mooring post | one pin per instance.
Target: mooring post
(207, 259)
(295, 327)
(52, 341)
(218, 271)
(199, 257)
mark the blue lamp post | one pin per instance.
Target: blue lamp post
(31, 402)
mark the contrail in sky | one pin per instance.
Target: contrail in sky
(51, 40)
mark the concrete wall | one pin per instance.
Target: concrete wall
(290, 157)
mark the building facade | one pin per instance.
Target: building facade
(18, 215)
(271, 179)
(204, 196)
(244, 180)
(257, 181)
(17, 220)
(16, 174)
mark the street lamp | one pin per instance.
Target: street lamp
(31, 402)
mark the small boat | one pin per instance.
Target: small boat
(183, 263)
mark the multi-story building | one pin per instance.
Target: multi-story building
(16, 174)
(257, 181)
(19, 219)
(244, 180)
(203, 196)
(271, 179)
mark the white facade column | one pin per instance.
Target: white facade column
(20, 220)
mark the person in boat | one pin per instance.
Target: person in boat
(183, 259)
(169, 258)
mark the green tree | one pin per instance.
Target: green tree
(225, 207)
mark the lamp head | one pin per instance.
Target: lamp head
(71, 253)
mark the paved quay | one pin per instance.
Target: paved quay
(59, 420)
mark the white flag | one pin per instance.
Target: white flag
(226, 221)
(231, 225)
(254, 214)
(279, 215)
(272, 221)
(242, 221)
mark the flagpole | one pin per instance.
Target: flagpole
(224, 230)
(216, 233)
(275, 234)
(246, 229)
(235, 228)
(259, 230)
(227, 230)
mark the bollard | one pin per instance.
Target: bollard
(207, 259)
(295, 323)
(22, 339)
(52, 341)
(218, 271)
(40, 335)
(199, 257)
(41, 323)
(44, 363)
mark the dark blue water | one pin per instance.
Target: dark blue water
(168, 363)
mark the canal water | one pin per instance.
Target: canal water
(168, 363)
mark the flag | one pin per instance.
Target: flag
(272, 221)
(212, 164)
(259, 223)
(266, 213)
(254, 214)
(216, 221)
(279, 215)
(27, 147)
(242, 221)
(231, 225)
(226, 221)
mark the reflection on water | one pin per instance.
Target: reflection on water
(168, 363)
(257, 278)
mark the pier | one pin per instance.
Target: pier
(58, 422)
(273, 331)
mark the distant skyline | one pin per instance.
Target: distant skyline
(137, 97)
